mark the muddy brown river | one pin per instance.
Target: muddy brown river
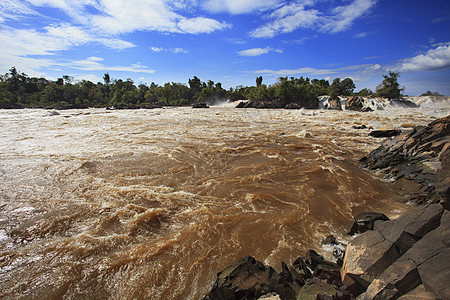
(151, 204)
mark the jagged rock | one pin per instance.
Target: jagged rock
(427, 262)
(400, 278)
(414, 155)
(373, 253)
(385, 133)
(442, 179)
(200, 105)
(321, 290)
(249, 279)
(365, 221)
(354, 103)
(335, 103)
(419, 293)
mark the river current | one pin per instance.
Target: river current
(151, 204)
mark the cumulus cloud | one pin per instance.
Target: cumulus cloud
(258, 51)
(434, 60)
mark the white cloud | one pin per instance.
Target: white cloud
(293, 16)
(200, 25)
(434, 60)
(10, 9)
(286, 19)
(258, 51)
(93, 64)
(344, 16)
(318, 72)
(172, 50)
(238, 6)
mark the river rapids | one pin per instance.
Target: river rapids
(151, 204)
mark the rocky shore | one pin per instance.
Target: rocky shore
(405, 258)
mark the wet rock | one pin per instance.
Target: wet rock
(241, 104)
(337, 246)
(335, 104)
(200, 105)
(359, 127)
(365, 221)
(385, 133)
(249, 279)
(293, 106)
(354, 103)
(414, 155)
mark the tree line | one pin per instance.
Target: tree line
(18, 90)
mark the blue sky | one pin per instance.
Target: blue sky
(230, 41)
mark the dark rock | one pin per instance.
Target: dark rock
(354, 103)
(367, 109)
(241, 104)
(404, 103)
(313, 259)
(302, 268)
(200, 105)
(384, 133)
(442, 179)
(414, 155)
(335, 103)
(321, 290)
(359, 127)
(293, 106)
(249, 279)
(365, 221)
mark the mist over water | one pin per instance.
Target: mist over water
(153, 203)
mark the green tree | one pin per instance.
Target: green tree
(390, 88)
(429, 93)
(259, 81)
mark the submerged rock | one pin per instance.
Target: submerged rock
(385, 133)
(200, 105)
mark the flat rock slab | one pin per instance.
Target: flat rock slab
(371, 253)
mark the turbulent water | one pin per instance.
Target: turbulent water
(153, 203)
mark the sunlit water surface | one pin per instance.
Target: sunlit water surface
(151, 204)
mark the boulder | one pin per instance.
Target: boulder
(354, 103)
(200, 105)
(426, 263)
(365, 221)
(249, 279)
(334, 103)
(293, 106)
(385, 133)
